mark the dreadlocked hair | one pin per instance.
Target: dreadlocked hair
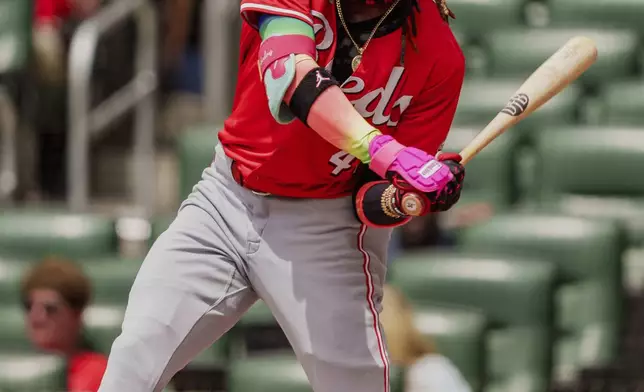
(410, 30)
(411, 7)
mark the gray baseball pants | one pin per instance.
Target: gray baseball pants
(316, 267)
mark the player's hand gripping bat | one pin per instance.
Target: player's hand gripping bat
(563, 67)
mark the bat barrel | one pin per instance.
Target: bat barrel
(557, 72)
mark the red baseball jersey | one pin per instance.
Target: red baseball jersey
(85, 372)
(50, 10)
(414, 101)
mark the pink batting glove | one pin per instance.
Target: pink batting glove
(416, 167)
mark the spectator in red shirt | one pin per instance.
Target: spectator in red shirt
(47, 11)
(48, 41)
(55, 293)
(53, 26)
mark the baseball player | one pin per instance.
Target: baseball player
(340, 109)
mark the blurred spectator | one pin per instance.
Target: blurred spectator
(181, 55)
(49, 46)
(54, 23)
(55, 294)
(182, 65)
(426, 370)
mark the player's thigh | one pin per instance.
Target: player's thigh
(189, 291)
(323, 279)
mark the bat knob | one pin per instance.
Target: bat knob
(412, 204)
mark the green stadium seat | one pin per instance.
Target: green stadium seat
(103, 325)
(516, 296)
(279, 373)
(258, 314)
(16, 21)
(215, 355)
(622, 103)
(570, 180)
(267, 374)
(599, 13)
(482, 99)
(587, 254)
(461, 36)
(112, 279)
(518, 52)
(12, 331)
(15, 34)
(11, 272)
(475, 17)
(459, 334)
(34, 234)
(31, 372)
(476, 58)
(196, 148)
(159, 225)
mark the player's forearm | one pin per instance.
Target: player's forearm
(333, 116)
(308, 91)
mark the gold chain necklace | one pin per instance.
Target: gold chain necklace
(355, 63)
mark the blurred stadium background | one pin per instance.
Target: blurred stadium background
(541, 293)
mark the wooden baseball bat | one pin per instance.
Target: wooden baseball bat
(556, 73)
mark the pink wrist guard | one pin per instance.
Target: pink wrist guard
(421, 170)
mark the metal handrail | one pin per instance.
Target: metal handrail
(138, 94)
(220, 65)
(8, 135)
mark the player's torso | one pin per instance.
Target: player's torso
(292, 160)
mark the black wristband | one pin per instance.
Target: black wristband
(315, 82)
(369, 206)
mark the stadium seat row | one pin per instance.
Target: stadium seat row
(482, 16)
(504, 53)
(548, 285)
(552, 169)
(566, 175)
(616, 103)
(496, 314)
(558, 171)
(273, 373)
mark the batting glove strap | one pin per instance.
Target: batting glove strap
(417, 168)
